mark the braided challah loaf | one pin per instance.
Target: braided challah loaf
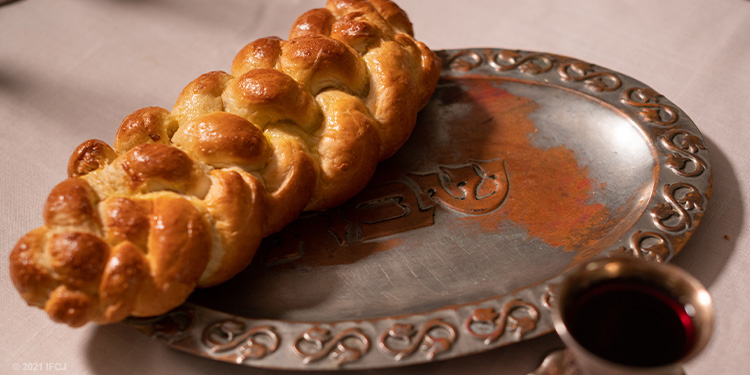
(183, 198)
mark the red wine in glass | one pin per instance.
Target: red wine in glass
(630, 322)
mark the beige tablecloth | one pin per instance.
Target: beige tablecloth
(70, 70)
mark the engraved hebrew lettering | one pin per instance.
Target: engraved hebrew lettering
(477, 188)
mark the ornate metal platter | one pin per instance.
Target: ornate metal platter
(522, 166)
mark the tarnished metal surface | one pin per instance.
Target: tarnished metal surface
(522, 166)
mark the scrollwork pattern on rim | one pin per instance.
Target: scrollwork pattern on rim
(500, 61)
(677, 206)
(579, 71)
(489, 325)
(683, 147)
(233, 335)
(464, 61)
(651, 110)
(426, 338)
(649, 245)
(534, 63)
(316, 343)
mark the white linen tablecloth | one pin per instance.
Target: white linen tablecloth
(70, 70)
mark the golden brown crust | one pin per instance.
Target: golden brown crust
(126, 220)
(154, 166)
(290, 176)
(323, 63)
(72, 307)
(185, 196)
(146, 125)
(260, 54)
(90, 156)
(71, 203)
(78, 259)
(359, 34)
(394, 15)
(347, 147)
(238, 203)
(179, 247)
(121, 281)
(221, 139)
(265, 96)
(151, 161)
(203, 95)
(31, 276)
(313, 22)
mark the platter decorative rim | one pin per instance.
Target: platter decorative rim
(683, 188)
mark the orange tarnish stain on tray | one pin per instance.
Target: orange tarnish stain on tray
(550, 194)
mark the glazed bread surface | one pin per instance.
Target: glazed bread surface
(183, 198)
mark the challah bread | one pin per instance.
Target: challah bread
(183, 198)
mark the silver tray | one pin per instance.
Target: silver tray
(522, 166)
